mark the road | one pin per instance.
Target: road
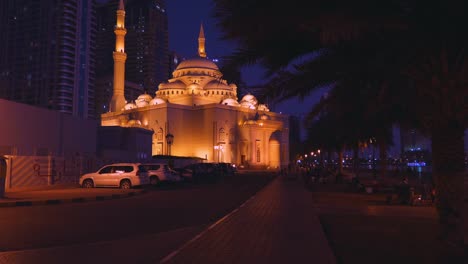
(144, 228)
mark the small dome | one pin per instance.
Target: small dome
(247, 105)
(233, 86)
(263, 107)
(144, 97)
(141, 103)
(197, 63)
(230, 101)
(249, 98)
(129, 106)
(249, 101)
(157, 101)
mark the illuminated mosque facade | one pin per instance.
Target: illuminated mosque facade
(196, 113)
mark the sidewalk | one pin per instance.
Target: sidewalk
(278, 225)
(60, 194)
(363, 228)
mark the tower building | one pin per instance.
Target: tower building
(201, 43)
(47, 54)
(119, 55)
(146, 46)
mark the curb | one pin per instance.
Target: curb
(70, 200)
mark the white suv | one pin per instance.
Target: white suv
(123, 175)
(160, 172)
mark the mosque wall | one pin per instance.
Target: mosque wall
(215, 133)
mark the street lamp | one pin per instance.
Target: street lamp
(169, 141)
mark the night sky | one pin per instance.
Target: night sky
(184, 26)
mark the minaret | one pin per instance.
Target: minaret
(201, 43)
(118, 98)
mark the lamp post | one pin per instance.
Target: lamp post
(169, 141)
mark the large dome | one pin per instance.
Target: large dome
(197, 63)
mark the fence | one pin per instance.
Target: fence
(37, 171)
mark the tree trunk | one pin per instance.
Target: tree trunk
(383, 162)
(449, 171)
(340, 162)
(356, 159)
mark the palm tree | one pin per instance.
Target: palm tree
(427, 45)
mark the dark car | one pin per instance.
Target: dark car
(227, 169)
(201, 172)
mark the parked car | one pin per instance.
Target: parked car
(122, 175)
(227, 169)
(160, 172)
(201, 172)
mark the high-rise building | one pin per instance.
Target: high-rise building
(146, 42)
(47, 54)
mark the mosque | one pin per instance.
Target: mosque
(196, 113)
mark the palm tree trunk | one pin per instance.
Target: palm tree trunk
(340, 161)
(449, 172)
(383, 158)
(356, 159)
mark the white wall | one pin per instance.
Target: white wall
(26, 129)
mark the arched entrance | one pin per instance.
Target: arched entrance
(275, 150)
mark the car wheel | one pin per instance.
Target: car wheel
(125, 184)
(154, 180)
(88, 184)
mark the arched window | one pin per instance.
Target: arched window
(222, 135)
(159, 135)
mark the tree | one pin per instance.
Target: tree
(423, 42)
